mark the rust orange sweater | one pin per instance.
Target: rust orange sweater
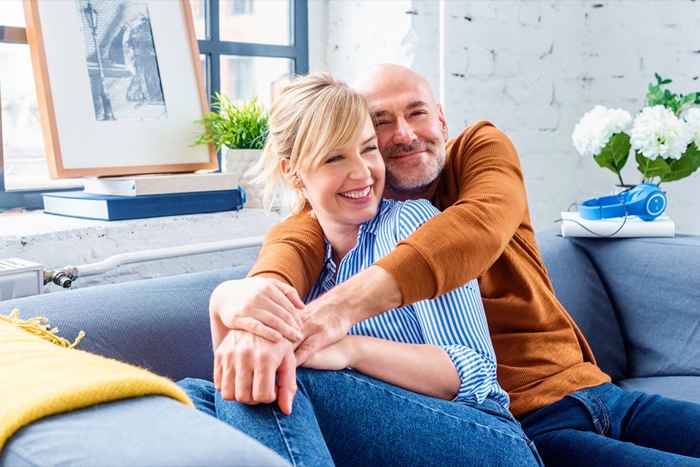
(484, 232)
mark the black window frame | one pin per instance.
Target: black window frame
(212, 47)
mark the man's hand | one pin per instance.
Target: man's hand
(251, 370)
(324, 325)
(329, 318)
(262, 306)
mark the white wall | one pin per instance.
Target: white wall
(531, 67)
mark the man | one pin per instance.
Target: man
(484, 232)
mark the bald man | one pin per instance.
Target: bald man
(564, 401)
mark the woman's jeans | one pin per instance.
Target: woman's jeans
(350, 419)
(608, 426)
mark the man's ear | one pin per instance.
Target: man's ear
(443, 121)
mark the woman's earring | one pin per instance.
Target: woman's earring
(297, 181)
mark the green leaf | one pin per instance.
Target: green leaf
(236, 127)
(683, 167)
(651, 168)
(614, 155)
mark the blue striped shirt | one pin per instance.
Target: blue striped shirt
(455, 321)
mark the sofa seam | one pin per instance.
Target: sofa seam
(16, 453)
(613, 303)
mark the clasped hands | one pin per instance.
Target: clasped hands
(261, 332)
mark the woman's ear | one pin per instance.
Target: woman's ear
(291, 177)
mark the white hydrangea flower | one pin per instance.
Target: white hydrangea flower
(657, 132)
(692, 119)
(595, 128)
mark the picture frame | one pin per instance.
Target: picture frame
(119, 86)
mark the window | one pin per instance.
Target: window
(246, 47)
(241, 7)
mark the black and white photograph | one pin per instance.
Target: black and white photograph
(121, 60)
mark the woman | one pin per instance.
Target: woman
(413, 386)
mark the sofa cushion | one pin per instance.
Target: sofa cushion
(654, 285)
(676, 387)
(579, 288)
(159, 324)
(146, 431)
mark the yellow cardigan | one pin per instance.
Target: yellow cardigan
(39, 378)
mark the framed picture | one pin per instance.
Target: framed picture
(119, 85)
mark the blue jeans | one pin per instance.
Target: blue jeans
(350, 419)
(606, 425)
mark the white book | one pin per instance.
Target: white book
(158, 184)
(573, 225)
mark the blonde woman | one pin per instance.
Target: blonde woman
(413, 386)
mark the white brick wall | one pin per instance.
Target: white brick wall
(533, 68)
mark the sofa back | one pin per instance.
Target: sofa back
(636, 300)
(654, 286)
(160, 324)
(579, 287)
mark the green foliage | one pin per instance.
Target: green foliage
(236, 127)
(684, 166)
(657, 95)
(668, 169)
(650, 168)
(614, 155)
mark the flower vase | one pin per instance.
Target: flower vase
(238, 162)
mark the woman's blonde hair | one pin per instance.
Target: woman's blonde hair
(313, 114)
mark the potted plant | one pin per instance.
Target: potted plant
(664, 137)
(239, 132)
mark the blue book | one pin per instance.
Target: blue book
(113, 208)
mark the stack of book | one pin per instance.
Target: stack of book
(573, 225)
(140, 196)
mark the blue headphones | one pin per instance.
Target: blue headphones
(645, 200)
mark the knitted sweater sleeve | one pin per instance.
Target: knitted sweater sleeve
(463, 241)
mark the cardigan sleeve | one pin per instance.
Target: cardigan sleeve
(463, 241)
(293, 251)
(455, 321)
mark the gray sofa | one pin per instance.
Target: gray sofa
(637, 301)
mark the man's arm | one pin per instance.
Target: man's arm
(292, 252)
(448, 251)
(464, 241)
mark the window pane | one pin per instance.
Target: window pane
(259, 21)
(23, 146)
(198, 15)
(205, 72)
(11, 13)
(243, 78)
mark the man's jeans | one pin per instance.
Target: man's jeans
(349, 419)
(606, 426)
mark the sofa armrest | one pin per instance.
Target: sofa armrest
(149, 431)
(160, 324)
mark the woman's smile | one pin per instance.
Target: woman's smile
(360, 195)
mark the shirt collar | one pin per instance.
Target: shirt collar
(366, 227)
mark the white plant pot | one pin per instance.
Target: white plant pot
(238, 162)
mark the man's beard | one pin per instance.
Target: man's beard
(401, 183)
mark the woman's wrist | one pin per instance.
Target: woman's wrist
(356, 349)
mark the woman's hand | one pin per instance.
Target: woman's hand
(262, 306)
(252, 370)
(336, 356)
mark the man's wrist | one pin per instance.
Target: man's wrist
(369, 293)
